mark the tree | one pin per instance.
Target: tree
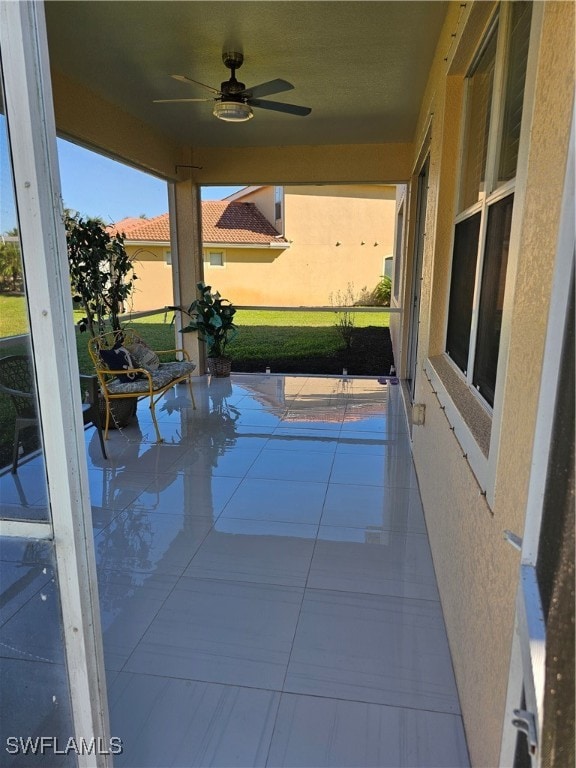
(101, 273)
(11, 274)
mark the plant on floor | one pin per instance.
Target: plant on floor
(102, 280)
(101, 273)
(343, 303)
(213, 318)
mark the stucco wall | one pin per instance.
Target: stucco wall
(243, 268)
(338, 235)
(153, 288)
(311, 268)
(477, 569)
(335, 164)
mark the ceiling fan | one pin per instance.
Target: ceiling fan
(233, 102)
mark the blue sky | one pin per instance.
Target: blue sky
(95, 186)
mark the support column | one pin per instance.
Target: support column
(187, 262)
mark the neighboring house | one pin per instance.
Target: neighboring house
(338, 235)
(233, 234)
(275, 246)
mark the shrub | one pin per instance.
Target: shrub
(379, 297)
(344, 322)
(381, 294)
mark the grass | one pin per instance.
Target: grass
(13, 317)
(302, 319)
(287, 342)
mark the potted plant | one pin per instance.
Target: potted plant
(101, 273)
(102, 280)
(213, 318)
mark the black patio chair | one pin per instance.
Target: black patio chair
(17, 381)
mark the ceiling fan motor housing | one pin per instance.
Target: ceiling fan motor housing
(232, 87)
(232, 59)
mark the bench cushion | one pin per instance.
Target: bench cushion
(161, 377)
(118, 358)
(143, 356)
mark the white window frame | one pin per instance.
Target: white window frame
(168, 257)
(492, 193)
(222, 254)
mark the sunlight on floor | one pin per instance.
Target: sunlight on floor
(266, 585)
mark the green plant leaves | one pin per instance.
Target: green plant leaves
(101, 273)
(211, 316)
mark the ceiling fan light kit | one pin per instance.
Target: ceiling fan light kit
(232, 111)
(233, 102)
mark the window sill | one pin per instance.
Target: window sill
(471, 422)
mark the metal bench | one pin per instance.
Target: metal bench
(150, 380)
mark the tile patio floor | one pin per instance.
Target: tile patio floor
(267, 590)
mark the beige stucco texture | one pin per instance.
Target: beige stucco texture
(476, 567)
(337, 236)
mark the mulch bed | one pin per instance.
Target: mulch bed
(370, 354)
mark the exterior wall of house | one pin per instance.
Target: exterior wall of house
(242, 279)
(477, 569)
(339, 236)
(153, 289)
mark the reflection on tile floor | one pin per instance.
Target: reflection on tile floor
(267, 590)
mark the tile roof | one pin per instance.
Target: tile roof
(222, 222)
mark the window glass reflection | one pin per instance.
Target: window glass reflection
(22, 477)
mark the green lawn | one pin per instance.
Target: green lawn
(13, 319)
(262, 335)
(288, 342)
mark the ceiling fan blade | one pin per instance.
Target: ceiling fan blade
(267, 89)
(278, 106)
(184, 79)
(177, 101)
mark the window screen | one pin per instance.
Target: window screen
(478, 108)
(464, 260)
(519, 39)
(492, 297)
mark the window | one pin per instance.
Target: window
(168, 258)
(216, 258)
(493, 116)
(388, 266)
(278, 199)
